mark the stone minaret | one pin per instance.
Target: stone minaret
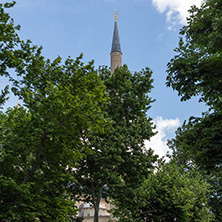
(116, 54)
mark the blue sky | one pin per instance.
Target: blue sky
(148, 32)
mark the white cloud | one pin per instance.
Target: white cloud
(176, 10)
(164, 128)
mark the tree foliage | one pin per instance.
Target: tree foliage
(199, 142)
(175, 195)
(198, 145)
(43, 138)
(8, 40)
(118, 158)
(168, 194)
(40, 142)
(197, 70)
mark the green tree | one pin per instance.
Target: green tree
(8, 40)
(42, 139)
(118, 158)
(198, 142)
(198, 145)
(196, 70)
(169, 194)
(41, 142)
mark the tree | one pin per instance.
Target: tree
(198, 142)
(118, 159)
(42, 139)
(41, 142)
(197, 70)
(32, 184)
(198, 145)
(169, 194)
(8, 40)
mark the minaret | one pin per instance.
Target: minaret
(116, 54)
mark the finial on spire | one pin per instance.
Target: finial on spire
(116, 42)
(115, 15)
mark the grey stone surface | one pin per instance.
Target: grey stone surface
(116, 41)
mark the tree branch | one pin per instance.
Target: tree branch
(37, 159)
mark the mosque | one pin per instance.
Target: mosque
(86, 209)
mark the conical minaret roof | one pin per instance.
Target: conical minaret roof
(116, 42)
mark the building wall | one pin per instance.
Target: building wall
(87, 212)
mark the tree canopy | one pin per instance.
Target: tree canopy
(196, 70)
(118, 158)
(167, 194)
(42, 138)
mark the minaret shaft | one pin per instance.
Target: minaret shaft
(116, 60)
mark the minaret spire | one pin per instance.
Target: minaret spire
(116, 53)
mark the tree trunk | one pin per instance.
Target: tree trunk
(37, 158)
(96, 202)
(96, 215)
